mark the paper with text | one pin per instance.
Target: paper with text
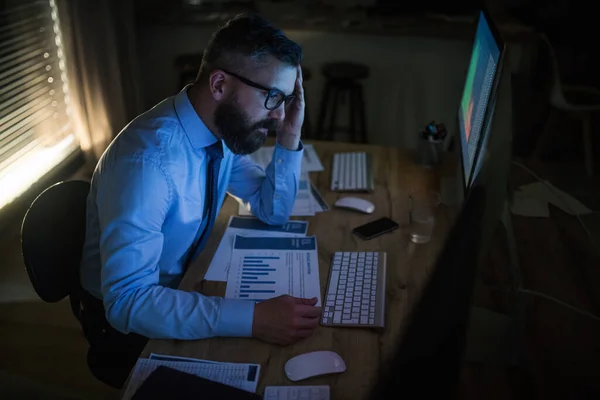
(244, 226)
(267, 267)
(242, 376)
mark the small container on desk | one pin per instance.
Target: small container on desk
(431, 145)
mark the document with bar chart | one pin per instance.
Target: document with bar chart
(218, 269)
(267, 267)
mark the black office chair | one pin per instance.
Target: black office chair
(52, 238)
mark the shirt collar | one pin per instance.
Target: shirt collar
(195, 129)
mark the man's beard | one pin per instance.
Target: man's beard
(239, 134)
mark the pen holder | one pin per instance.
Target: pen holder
(429, 152)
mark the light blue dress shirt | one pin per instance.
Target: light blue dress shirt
(145, 210)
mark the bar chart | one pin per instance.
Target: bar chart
(282, 266)
(258, 277)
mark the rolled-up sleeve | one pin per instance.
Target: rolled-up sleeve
(133, 199)
(269, 193)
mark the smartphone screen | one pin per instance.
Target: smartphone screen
(375, 228)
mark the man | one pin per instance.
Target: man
(159, 185)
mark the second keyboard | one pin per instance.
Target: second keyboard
(356, 290)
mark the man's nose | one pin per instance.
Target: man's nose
(278, 113)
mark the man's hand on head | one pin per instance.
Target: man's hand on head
(288, 135)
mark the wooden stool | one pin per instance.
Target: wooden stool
(188, 66)
(342, 78)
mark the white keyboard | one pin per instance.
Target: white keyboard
(356, 290)
(352, 172)
(296, 393)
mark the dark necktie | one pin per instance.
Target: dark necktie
(215, 155)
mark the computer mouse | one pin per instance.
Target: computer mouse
(356, 204)
(314, 363)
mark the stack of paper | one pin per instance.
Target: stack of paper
(261, 261)
(267, 267)
(242, 376)
(218, 269)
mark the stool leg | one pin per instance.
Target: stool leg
(333, 116)
(361, 111)
(323, 111)
(353, 112)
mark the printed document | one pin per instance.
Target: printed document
(267, 267)
(244, 226)
(242, 376)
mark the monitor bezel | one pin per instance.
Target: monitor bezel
(468, 183)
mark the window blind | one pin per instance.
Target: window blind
(36, 133)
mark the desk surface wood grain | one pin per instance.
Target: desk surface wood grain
(365, 351)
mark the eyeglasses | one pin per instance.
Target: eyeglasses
(275, 97)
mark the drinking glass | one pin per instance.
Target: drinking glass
(422, 208)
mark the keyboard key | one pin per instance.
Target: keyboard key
(333, 281)
(337, 317)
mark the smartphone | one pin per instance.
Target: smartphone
(375, 228)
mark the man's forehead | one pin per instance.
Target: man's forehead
(276, 74)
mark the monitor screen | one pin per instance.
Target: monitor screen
(476, 96)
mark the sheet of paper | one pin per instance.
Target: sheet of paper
(304, 205)
(242, 376)
(320, 203)
(244, 226)
(310, 159)
(166, 357)
(267, 267)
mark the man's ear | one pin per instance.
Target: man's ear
(218, 85)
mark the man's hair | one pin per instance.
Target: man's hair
(247, 37)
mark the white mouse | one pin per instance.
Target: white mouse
(314, 363)
(356, 204)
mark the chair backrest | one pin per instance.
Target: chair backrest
(556, 91)
(52, 237)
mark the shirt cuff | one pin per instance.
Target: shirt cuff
(235, 318)
(288, 158)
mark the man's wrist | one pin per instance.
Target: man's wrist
(289, 141)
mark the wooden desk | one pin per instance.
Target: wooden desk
(409, 265)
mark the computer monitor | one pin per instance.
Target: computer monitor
(478, 96)
(429, 356)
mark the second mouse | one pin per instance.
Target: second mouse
(314, 363)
